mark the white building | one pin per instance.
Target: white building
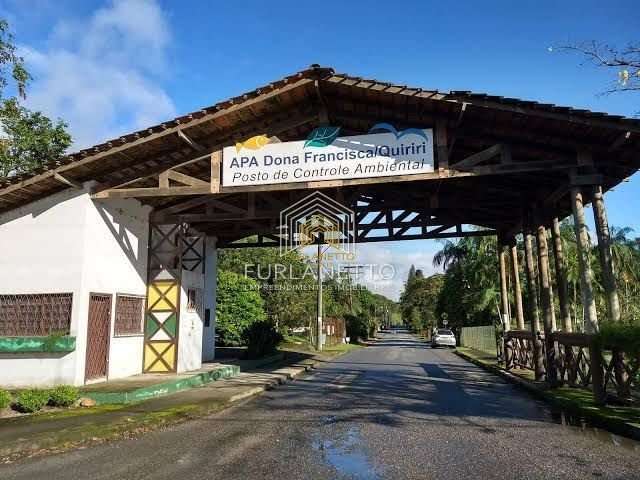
(77, 267)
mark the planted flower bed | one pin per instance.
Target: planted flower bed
(34, 400)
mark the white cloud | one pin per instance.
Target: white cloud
(101, 74)
(400, 257)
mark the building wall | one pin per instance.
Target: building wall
(191, 323)
(210, 278)
(43, 251)
(116, 239)
(69, 243)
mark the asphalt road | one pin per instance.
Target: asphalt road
(396, 410)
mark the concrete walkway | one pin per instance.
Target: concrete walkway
(26, 436)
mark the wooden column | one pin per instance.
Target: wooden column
(609, 284)
(561, 276)
(547, 305)
(532, 294)
(517, 290)
(606, 258)
(504, 293)
(583, 250)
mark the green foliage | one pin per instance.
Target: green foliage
(30, 139)
(239, 305)
(287, 282)
(419, 299)
(469, 295)
(620, 335)
(5, 399)
(10, 62)
(357, 327)
(30, 401)
(63, 396)
(261, 339)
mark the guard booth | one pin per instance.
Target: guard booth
(109, 254)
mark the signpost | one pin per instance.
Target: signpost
(325, 156)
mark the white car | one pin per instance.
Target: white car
(443, 338)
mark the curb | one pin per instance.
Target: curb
(618, 427)
(161, 389)
(285, 377)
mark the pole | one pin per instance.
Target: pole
(586, 275)
(609, 284)
(319, 306)
(538, 362)
(517, 289)
(547, 305)
(606, 257)
(504, 294)
(561, 276)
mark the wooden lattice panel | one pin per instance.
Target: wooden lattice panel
(163, 299)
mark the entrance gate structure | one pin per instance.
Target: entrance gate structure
(505, 165)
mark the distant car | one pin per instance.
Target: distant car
(443, 338)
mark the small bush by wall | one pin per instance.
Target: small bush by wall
(5, 399)
(261, 339)
(63, 396)
(29, 401)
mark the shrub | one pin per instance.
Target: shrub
(5, 399)
(621, 335)
(261, 339)
(29, 401)
(239, 304)
(63, 396)
(357, 327)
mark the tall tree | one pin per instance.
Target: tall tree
(27, 139)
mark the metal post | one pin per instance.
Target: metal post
(319, 305)
(547, 306)
(584, 266)
(533, 303)
(517, 290)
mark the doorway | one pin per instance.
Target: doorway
(98, 333)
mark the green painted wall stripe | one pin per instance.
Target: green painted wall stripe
(164, 388)
(37, 344)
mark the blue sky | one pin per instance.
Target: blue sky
(110, 67)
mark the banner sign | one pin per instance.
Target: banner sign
(326, 156)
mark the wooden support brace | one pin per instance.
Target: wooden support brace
(67, 181)
(189, 141)
(480, 157)
(216, 166)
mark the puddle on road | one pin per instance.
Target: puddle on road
(581, 426)
(346, 454)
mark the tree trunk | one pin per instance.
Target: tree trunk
(561, 276)
(517, 289)
(586, 275)
(547, 305)
(533, 305)
(609, 284)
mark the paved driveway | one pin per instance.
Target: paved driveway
(394, 410)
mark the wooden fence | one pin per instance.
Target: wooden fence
(580, 361)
